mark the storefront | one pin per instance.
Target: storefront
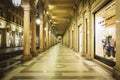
(80, 35)
(20, 36)
(105, 34)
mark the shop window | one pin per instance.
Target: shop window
(105, 32)
(80, 34)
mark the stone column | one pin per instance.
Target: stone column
(52, 40)
(89, 33)
(67, 38)
(49, 38)
(26, 33)
(75, 31)
(76, 38)
(33, 27)
(116, 70)
(84, 35)
(41, 34)
(44, 36)
(47, 35)
(70, 37)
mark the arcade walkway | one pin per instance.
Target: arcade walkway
(58, 63)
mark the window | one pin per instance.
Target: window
(105, 32)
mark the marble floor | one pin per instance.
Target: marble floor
(58, 63)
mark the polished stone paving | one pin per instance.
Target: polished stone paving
(58, 63)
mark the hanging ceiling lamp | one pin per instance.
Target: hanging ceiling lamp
(16, 3)
(38, 21)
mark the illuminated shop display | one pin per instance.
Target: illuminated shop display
(80, 39)
(14, 36)
(105, 32)
(8, 39)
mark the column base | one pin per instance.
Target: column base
(41, 50)
(26, 57)
(116, 73)
(83, 55)
(88, 57)
(34, 53)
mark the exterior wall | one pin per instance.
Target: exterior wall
(83, 15)
(11, 20)
(116, 70)
(87, 11)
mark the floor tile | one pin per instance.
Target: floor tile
(58, 63)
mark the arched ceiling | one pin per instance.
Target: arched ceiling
(60, 12)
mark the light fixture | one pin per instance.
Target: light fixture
(45, 28)
(16, 3)
(38, 21)
(47, 12)
(8, 34)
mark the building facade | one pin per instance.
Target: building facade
(94, 30)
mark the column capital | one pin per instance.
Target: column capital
(26, 7)
(26, 2)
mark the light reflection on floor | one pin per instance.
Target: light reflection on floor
(58, 63)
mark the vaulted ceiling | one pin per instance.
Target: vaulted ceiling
(60, 12)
